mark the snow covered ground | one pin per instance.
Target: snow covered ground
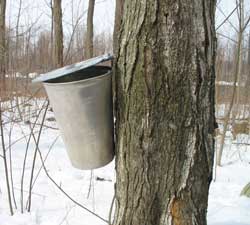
(226, 206)
(51, 207)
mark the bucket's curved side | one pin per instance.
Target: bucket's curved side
(84, 114)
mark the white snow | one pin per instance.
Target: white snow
(226, 83)
(226, 206)
(51, 207)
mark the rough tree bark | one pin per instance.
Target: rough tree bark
(164, 104)
(89, 46)
(58, 33)
(117, 24)
(2, 46)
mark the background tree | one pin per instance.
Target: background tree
(165, 112)
(58, 33)
(235, 99)
(2, 45)
(117, 24)
(248, 62)
(89, 48)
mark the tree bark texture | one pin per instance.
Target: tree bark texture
(2, 46)
(117, 23)
(165, 84)
(89, 46)
(58, 33)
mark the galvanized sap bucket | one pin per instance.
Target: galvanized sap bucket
(81, 98)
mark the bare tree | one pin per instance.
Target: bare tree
(248, 62)
(90, 33)
(165, 112)
(17, 51)
(58, 33)
(237, 73)
(2, 46)
(117, 24)
(52, 27)
(5, 163)
(75, 44)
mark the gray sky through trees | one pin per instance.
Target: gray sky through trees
(39, 12)
(34, 9)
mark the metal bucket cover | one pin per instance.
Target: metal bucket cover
(72, 68)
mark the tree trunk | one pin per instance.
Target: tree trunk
(51, 34)
(2, 48)
(58, 35)
(117, 24)
(89, 52)
(164, 104)
(248, 64)
(236, 92)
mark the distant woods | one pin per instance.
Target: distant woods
(28, 48)
(232, 92)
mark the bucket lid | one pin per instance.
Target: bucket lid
(72, 68)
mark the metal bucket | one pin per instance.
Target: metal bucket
(82, 103)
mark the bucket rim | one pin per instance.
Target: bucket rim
(69, 69)
(48, 83)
